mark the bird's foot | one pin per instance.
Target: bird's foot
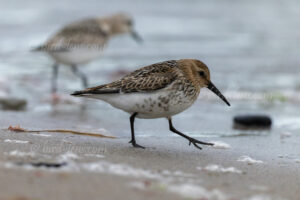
(135, 145)
(196, 142)
(55, 98)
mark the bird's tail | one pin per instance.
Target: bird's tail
(38, 48)
(80, 93)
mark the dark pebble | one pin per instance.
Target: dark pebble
(45, 164)
(11, 103)
(252, 122)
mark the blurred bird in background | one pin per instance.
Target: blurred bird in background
(83, 41)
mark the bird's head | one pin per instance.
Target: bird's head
(200, 74)
(123, 23)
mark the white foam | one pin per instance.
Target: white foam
(220, 145)
(297, 160)
(259, 188)
(138, 185)
(94, 155)
(119, 169)
(185, 190)
(181, 174)
(196, 192)
(17, 153)
(249, 161)
(260, 197)
(166, 172)
(9, 165)
(219, 169)
(126, 170)
(68, 156)
(16, 141)
(106, 168)
(285, 135)
(42, 135)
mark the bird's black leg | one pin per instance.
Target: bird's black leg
(191, 140)
(132, 141)
(81, 75)
(54, 78)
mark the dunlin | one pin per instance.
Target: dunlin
(82, 41)
(156, 91)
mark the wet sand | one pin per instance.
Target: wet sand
(167, 169)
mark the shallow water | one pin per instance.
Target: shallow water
(250, 47)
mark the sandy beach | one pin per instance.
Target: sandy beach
(167, 169)
(252, 50)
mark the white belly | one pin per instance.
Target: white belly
(76, 56)
(148, 105)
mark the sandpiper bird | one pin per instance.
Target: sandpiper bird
(82, 41)
(159, 90)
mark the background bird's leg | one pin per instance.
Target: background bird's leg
(132, 141)
(55, 97)
(80, 75)
(54, 78)
(192, 140)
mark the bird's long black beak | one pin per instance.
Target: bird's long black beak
(215, 90)
(136, 37)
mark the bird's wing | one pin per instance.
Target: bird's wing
(146, 79)
(87, 33)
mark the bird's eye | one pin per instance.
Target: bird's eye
(201, 73)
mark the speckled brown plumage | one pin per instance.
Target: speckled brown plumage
(152, 78)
